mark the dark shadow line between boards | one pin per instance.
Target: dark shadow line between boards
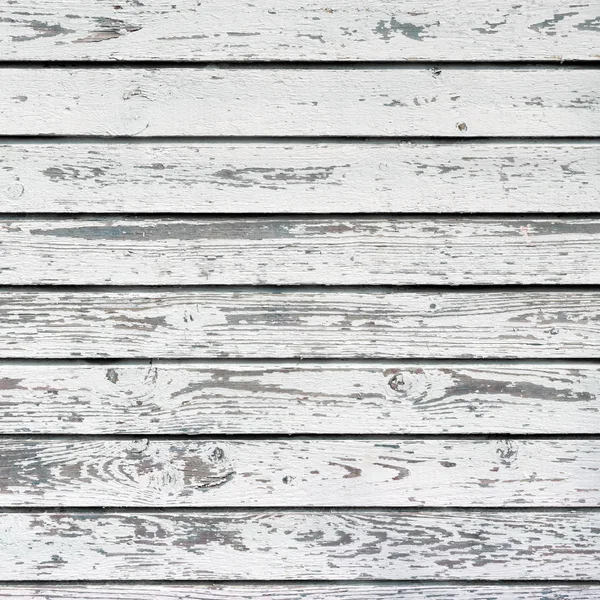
(316, 65)
(285, 583)
(325, 509)
(274, 289)
(433, 140)
(279, 437)
(390, 438)
(299, 361)
(299, 216)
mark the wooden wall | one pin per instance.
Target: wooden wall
(299, 300)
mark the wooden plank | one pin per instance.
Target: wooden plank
(332, 101)
(320, 591)
(281, 398)
(392, 472)
(303, 177)
(289, 323)
(445, 545)
(294, 30)
(290, 251)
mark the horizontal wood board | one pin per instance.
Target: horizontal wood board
(291, 251)
(259, 397)
(292, 30)
(299, 177)
(226, 545)
(456, 102)
(292, 322)
(311, 472)
(299, 591)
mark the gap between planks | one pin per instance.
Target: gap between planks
(303, 64)
(319, 510)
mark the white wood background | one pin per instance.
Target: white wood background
(299, 300)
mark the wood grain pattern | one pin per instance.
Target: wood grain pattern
(379, 544)
(303, 177)
(291, 251)
(357, 101)
(266, 323)
(316, 517)
(312, 472)
(294, 30)
(279, 398)
(299, 591)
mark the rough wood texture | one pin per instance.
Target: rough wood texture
(362, 101)
(288, 323)
(321, 591)
(295, 30)
(279, 398)
(303, 177)
(447, 545)
(291, 473)
(290, 251)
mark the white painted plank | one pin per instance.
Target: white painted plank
(365, 545)
(390, 472)
(290, 251)
(288, 323)
(362, 101)
(299, 591)
(301, 177)
(279, 398)
(294, 30)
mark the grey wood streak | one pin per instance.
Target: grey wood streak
(299, 591)
(288, 473)
(359, 101)
(376, 544)
(279, 398)
(299, 30)
(303, 177)
(290, 251)
(311, 323)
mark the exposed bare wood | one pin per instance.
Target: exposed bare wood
(325, 472)
(303, 397)
(266, 323)
(241, 251)
(445, 545)
(303, 177)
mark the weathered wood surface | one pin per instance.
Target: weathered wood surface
(290, 251)
(303, 323)
(332, 101)
(393, 472)
(377, 544)
(303, 177)
(299, 591)
(294, 30)
(280, 398)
